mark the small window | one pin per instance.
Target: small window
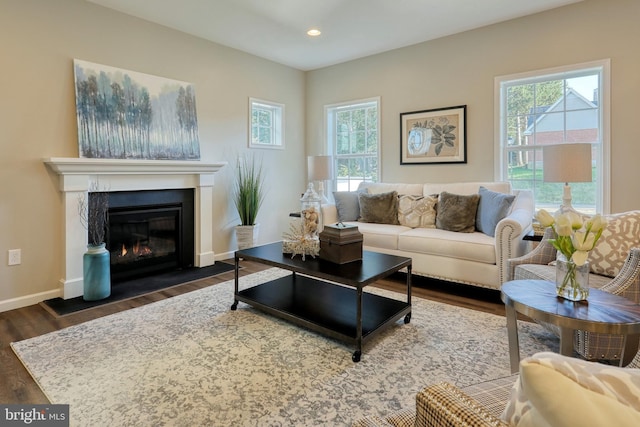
(266, 124)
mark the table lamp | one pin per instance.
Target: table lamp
(319, 168)
(567, 162)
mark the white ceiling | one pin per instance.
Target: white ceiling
(276, 29)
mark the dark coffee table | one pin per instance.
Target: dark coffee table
(341, 309)
(602, 312)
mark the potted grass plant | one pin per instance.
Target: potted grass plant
(248, 196)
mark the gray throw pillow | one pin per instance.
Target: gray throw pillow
(457, 212)
(380, 208)
(347, 204)
(492, 207)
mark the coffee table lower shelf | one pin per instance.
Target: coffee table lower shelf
(325, 307)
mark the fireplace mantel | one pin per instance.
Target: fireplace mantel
(78, 175)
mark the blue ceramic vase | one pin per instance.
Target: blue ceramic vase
(97, 273)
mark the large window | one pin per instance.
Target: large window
(353, 139)
(266, 123)
(551, 107)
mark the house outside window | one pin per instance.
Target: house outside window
(266, 124)
(353, 139)
(550, 107)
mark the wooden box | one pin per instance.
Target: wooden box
(341, 243)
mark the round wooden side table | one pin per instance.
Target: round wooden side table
(602, 312)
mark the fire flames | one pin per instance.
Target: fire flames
(137, 250)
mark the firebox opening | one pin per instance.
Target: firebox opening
(150, 232)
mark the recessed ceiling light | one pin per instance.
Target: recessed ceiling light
(314, 32)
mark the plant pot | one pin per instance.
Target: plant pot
(247, 235)
(97, 273)
(572, 281)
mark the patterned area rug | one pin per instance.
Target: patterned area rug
(189, 360)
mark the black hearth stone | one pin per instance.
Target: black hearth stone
(136, 287)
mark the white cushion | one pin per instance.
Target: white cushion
(383, 236)
(466, 187)
(560, 391)
(383, 187)
(469, 246)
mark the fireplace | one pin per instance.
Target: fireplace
(78, 175)
(150, 232)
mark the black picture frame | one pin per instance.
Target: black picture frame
(434, 136)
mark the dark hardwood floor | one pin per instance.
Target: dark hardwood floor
(17, 386)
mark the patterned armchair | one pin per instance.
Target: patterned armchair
(615, 268)
(485, 404)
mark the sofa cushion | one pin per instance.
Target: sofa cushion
(347, 204)
(379, 208)
(386, 187)
(492, 207)
(417, 211)
(469, 246)
(383, 236)
(465, 187)
(457, 212)
(556, 390)
(621, 234)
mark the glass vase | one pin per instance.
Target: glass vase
(572, 281)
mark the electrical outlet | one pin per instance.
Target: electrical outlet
(15, 256)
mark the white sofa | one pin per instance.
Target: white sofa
(470, 258)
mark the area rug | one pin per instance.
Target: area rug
(189, 360)
(135, 288)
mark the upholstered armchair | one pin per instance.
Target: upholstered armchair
(615, 268)
(497, 402)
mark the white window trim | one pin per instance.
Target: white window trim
(605, 119)
(330, 145)
(278, 124)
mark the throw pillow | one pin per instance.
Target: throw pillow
(347, 204)
(492, 207)
(555, 390)
(610, 253)
(379, 208)
(457, 212)
(417, 211)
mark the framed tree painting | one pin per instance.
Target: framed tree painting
(125, 114)
(433, 136)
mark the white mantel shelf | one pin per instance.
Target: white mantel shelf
(79, 175)
(86, 166)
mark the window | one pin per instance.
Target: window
(550, 107)
(353, 139)
(266, 124)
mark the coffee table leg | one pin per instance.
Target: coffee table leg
(236, 283)
(512, 334)
(356, 354)
(566, 341)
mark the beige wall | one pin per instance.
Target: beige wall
(40, 39)
(460, 69)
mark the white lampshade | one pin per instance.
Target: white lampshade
(567, 163)
(319, 168)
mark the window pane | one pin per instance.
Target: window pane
(551, 109)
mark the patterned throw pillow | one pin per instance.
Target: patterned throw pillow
(622, 234)
(417, 211)
(555, 390)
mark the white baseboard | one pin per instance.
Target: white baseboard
(27, 300)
